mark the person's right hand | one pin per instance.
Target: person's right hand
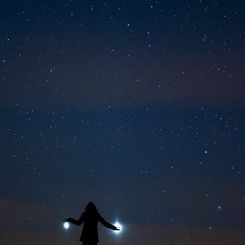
(67, 220)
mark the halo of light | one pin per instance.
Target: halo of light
(66, 225)
(119, 226)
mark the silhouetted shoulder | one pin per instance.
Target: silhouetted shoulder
(82, 217)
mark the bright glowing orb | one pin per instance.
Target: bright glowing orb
(119, 226)
(66, 225)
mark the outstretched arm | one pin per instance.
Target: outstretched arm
(76, 222)
(107, 224)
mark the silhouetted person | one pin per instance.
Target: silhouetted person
(90, 219)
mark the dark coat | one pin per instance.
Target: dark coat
(90, 227)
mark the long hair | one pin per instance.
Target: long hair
(91, 208)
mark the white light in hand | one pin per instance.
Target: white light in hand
(66, 225)
(119, 226)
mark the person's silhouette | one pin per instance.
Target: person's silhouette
(90, 218)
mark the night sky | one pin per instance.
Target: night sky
(136, 105)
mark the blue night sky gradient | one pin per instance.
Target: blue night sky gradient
(135, 105)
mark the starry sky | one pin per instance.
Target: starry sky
(136, 105)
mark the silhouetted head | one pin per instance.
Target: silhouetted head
(91, 208)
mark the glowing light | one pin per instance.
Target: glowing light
(66, 225)
(119, 226)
